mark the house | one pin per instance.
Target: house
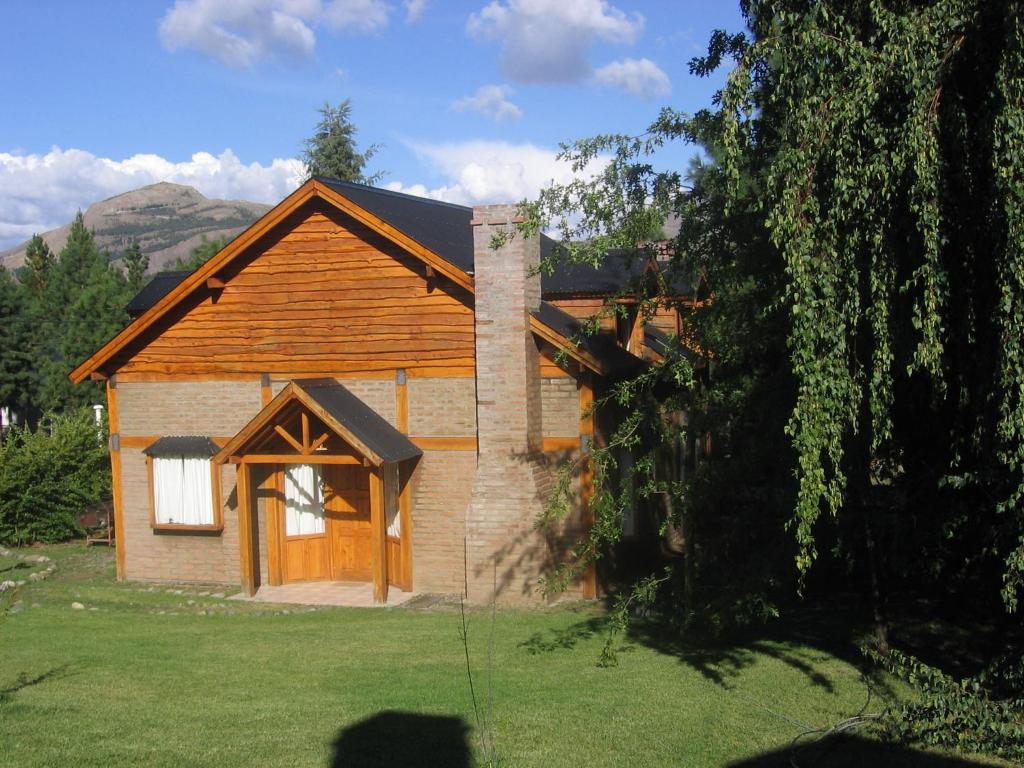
(359, 387)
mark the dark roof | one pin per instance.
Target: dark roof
(361, 420)
(616, 272)
(442, 227)
(601, 347)
(159, 286)
(182, 445)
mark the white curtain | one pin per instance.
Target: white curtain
(182, 490)
(304, 499)
(394, 520)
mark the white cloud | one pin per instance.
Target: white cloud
(490, 100)
(489, 171)
(241, 32)
(41, 191)
(550, 40)
(640, 77)
(414, 10)
(357, 15)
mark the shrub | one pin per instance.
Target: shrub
(49, 475)
(980, 714)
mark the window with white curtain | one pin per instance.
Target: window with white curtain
(182, 490)
(303, 499)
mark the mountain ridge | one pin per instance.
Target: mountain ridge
(168, 220)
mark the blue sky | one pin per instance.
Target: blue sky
(469, 100)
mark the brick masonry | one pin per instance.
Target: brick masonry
(442, 407)
(560, 402)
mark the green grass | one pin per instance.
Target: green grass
(163, 676)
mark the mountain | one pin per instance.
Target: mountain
(168, 220)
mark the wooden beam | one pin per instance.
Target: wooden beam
(305, 432)
(587, 476)
(444, 443)
(378, 538)
(266, 394)
(319, 441)
(289, 458)
(245, 542)
(405, 516)
(401, 402)
(291, 440)
(275, 515)
(144, 441)
(561, 443)
(114, 423)
(98, 376)
(215, 283)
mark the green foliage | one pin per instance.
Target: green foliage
(49, 475)
(984, 713)
(39, 260)
(82, 308)
(202, 253)
(331, 150)
(16, 372)
(135, 265)
(892, 134)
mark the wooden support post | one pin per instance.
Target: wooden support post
(587, 475)
(275, 516)
(245, 518)
(404, 474)
(266, 394)
(378, 537)
(113, 421)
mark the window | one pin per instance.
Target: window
(182, 491)
(303, 500)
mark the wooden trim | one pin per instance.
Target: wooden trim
(587, 477)
(266, 393)
(378, 537)
(116, 486)
(401, 402)
(275, 516)
(216, 526)
(405, 517)
(215, 283)
(144, 441)
(560, 443)
(146, 376)
(245, 542)
(553, 337)
(444, 443)
(297, 458)
(289, 439)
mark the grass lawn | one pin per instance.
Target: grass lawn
(161, 676)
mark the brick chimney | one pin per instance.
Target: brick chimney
(511, 483)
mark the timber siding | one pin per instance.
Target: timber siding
(320, 294)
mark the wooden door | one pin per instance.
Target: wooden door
(305, 549)
(347, 501)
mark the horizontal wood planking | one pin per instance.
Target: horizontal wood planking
(321, 295)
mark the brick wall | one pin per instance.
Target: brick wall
(560, 400)
(379, 394)
(504, 554)
(213, 408)
(442, 485)
(442, 407)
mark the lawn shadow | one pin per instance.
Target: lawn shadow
(25, 680)
(851, 752)
(406, 739)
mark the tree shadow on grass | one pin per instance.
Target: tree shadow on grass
(25, 680)
(804, 641)
(406, 739)
(851, 752)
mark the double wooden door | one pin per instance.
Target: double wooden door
(332, 539)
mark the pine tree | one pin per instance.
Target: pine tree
(331, 151)
(16, 364)
(35, 275)
(135, 265)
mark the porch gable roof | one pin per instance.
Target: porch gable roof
(369, 434)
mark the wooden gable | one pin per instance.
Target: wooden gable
(319, 293)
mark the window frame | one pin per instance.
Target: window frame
(217, 526)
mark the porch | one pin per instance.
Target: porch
(338, 594)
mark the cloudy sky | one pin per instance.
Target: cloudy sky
(468, 98)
